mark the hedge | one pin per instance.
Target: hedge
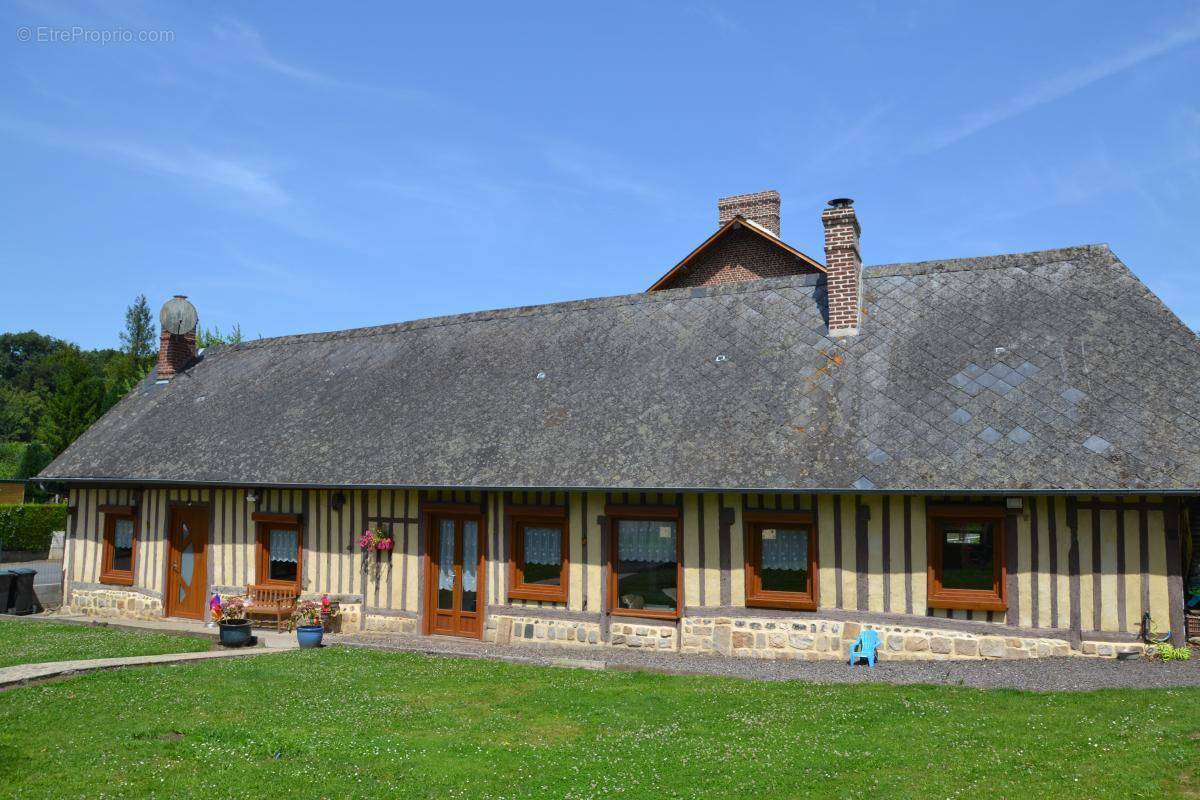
(29, 526)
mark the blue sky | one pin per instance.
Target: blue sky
(299, 167)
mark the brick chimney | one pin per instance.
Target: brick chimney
(177, 343)
(761, 208)
(843, 261)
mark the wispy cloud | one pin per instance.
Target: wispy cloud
(596, 169)
(250, 181)
(249, 43)
(1062, 85)
(719, 19)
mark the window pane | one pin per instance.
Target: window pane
(123, 546)
(446, 564)
(283, 554)
(542, 549)
(470, 564)
(646, 565)
(784, 566)
(968, 555)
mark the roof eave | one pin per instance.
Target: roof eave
(995, 491)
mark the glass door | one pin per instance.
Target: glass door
(455, 567)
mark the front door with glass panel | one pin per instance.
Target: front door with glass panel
(187, 562)
(455, 580)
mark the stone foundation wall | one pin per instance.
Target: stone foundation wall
(109, 603)
(654, 637)
(745, 637)
(534, 630)
(388, 624)
(827, 639)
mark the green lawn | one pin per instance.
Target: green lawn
(353, 723)
(32, 642)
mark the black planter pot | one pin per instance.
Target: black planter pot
(235, 633)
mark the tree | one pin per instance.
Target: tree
(19, 413)
(77, 400)
(210, 337)
(138, 337)
(23, 357)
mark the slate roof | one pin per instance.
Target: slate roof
(1052, 370)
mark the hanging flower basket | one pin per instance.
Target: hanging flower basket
(376, 540)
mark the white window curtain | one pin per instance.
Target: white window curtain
(470, 559)
(284, 545)
(649, 541)
(123, 535)
(543, 546)
(446, 556)
(784, 549)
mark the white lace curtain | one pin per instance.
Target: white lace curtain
(543, 546)
(446, 556)
(784, 549)
(650, 541)
(284, 545)
(123, 535)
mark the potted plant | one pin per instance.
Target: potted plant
(306, 620)
(231, 616)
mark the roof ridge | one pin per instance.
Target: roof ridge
(604, 301)
(999, 261)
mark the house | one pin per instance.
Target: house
(761, 454)
(12, 491)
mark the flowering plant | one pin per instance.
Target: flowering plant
(233, 609)
(375, 539)
(307, 613)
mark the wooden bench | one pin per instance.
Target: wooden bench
(272, 601)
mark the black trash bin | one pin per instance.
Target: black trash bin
(6, 587)
(22, 590)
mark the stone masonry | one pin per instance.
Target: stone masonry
(535, 630)
(744, 637)
(110, 603)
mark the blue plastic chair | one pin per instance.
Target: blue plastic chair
(864, 647)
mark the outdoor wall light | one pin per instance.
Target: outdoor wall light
(337, 501)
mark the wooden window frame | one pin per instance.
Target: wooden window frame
(263, 523)
(995, 599)
(107, 573)
(756, 596)
(544, 518)
(614, 514)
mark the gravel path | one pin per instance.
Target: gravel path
(1039, 675)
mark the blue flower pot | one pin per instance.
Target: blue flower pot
(309, 635)
(235, 633)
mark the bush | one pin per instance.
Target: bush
(11, 456)
(1169, 653)
(29, 527)
(22, 460)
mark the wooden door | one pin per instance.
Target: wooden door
(187, 562)
(454, 603)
